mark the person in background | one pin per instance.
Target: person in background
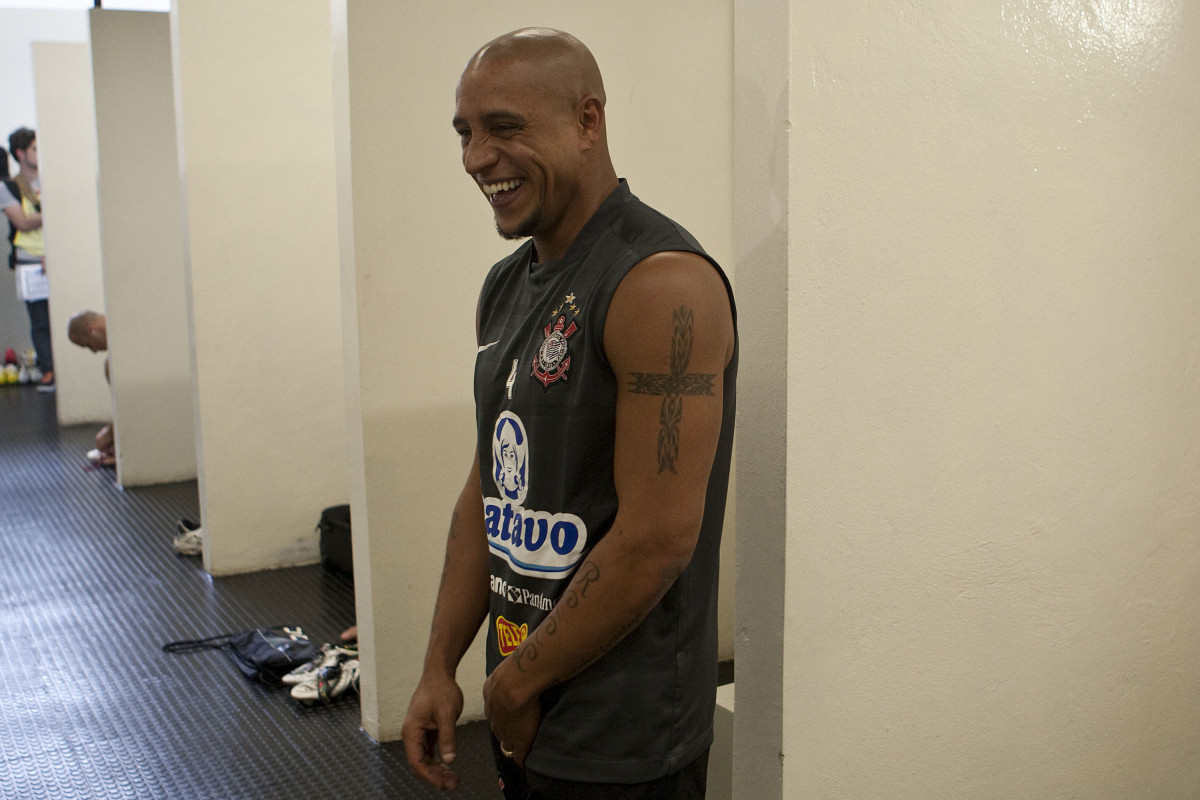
(21, 201)
(90, 329)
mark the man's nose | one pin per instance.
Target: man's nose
(478, 154)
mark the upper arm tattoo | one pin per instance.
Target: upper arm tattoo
(674, 387)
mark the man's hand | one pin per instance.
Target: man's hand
(428, 731)
(514, 721)
(461, 607)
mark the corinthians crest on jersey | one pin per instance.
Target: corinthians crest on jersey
(536, 543)
(553, 358)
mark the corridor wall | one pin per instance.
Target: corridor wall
(254, 121)
(68, 167)
(142, 237)
(990, 294)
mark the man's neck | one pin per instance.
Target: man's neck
(556, 245)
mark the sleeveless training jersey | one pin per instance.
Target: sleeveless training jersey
(545, 399)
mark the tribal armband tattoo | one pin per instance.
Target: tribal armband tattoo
(674, 387)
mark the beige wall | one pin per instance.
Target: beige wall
(254, 118)
(142, 237)
(423, 239)
(67, 151)
(992, 563)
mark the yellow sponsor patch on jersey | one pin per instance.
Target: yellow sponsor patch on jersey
(509, 636)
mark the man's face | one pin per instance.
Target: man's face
(28, 158)
(94, 339)
(508, 460)
(97, 340)
(519, 144)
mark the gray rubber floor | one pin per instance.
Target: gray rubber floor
(90, 589)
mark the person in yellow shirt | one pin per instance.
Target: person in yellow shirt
(23, 208)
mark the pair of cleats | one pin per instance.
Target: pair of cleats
(330, 675)
(189, 538)
(101, 459)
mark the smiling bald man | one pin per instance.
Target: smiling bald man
(588, 532)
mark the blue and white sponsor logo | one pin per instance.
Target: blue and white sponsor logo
(540, 544)
(510, 457)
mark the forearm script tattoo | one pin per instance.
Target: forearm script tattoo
(674, 387)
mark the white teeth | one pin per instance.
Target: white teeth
(492, 188)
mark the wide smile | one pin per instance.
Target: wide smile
(498, 192)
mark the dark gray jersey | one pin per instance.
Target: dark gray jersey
(545, 400)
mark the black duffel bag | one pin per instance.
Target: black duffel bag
(264, 654)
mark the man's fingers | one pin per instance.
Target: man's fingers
(419, 749)
(447, 738)
(428, 731)
(414, 748)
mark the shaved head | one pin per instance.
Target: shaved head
(557, 62)
(89, 329)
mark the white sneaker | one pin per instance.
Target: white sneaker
(331, 681)
(190, 543)
(328, 656)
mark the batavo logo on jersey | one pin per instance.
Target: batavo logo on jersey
(540, 544)
(509, 636)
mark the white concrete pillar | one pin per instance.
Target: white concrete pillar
(66, 130)
(763, 163)
(422, 239)
(253, 90)
(142, 236)
(990, 559)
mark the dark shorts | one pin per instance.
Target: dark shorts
(688, 783)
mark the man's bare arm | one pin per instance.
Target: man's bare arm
(669, 336)
(461, 606)
(22, 221)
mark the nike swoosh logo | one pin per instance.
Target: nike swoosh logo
(483, 347)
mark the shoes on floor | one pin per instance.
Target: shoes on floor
(100, 459)
(302, 672)
(328, 656)
(190, 542)
(185, 525)
(34, 375)
(337, 674)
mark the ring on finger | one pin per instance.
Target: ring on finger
(505, 751)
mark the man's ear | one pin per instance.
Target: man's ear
(591, 119)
